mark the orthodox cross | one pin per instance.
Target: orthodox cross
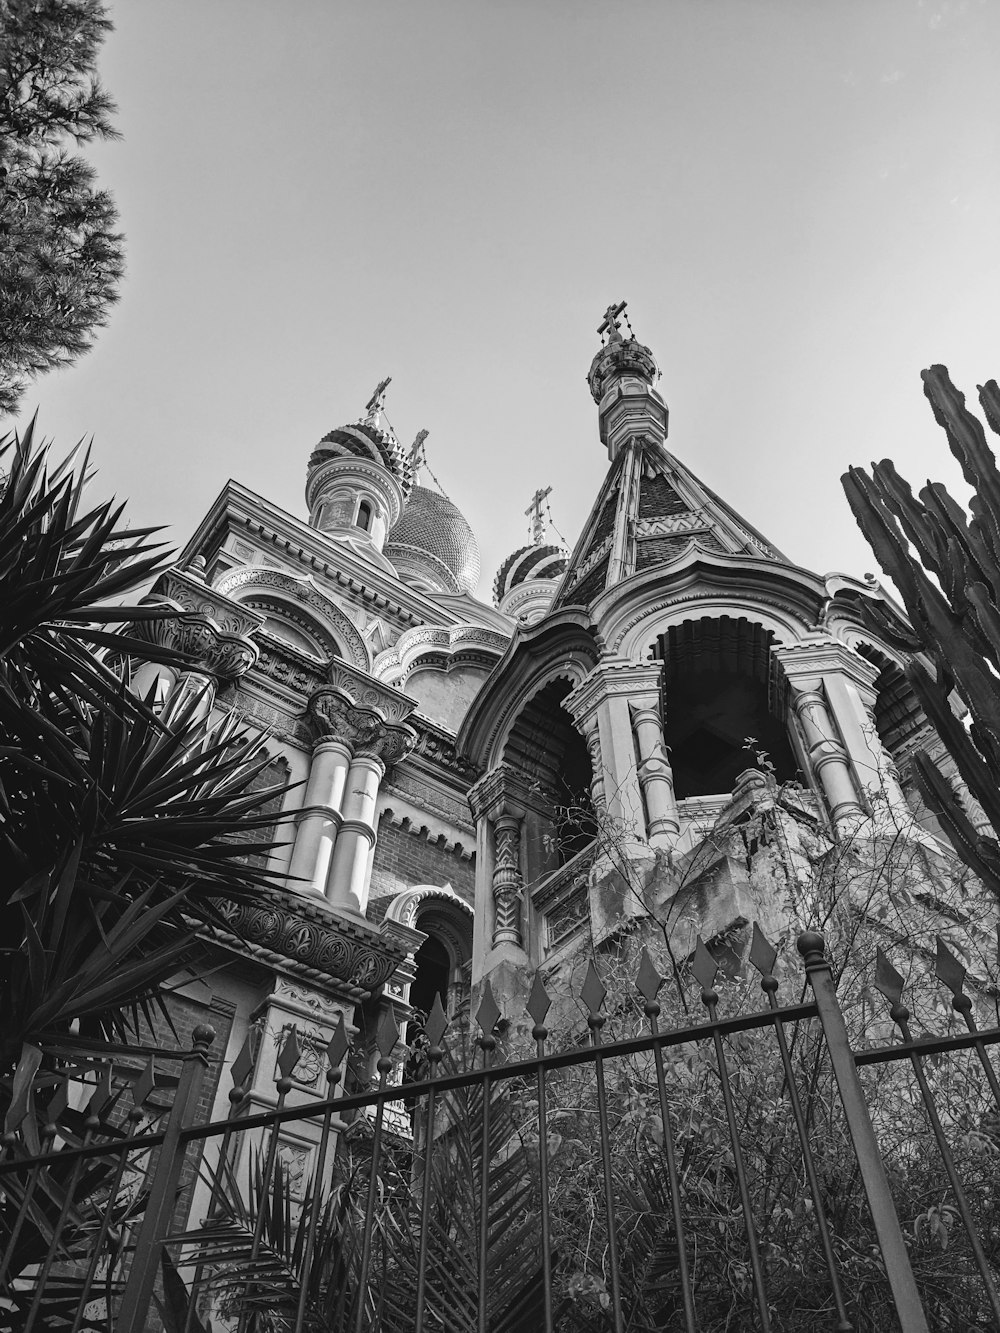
(609, 324)
(534, 514)
(376, 402)
(417, 451)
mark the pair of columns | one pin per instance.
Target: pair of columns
(335, 832)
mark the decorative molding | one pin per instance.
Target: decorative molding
(205, 625)
(405, 906)
(727, 603)
(305, 592)
(308, 933)
(406, 824)
(668, 525)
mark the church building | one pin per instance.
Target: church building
(481, 788)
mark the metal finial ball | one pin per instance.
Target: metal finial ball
(810, 942)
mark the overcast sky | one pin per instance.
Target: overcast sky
(799, 201)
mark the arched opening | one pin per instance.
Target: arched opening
(716, 697)
(364, 518)
(433, 976)
(898, 714)
(551, 756)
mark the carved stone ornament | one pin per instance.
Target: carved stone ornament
(507, 882)
(333, 716)
(285, 923)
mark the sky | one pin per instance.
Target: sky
(798, 200)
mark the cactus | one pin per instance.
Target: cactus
(946, 565)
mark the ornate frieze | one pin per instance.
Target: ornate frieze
(303, 592)
(307, 933)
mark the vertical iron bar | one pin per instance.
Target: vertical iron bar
(48, 1137)
(434, 1054)
(963, 1004)
(769, 984)
(332, 1079)
(710, 1000)
(134, 1308)
(482, 1256)
(539, 1032)
(887, 1229)
(91, 1125)
(900, 1016)
(596, 1021)
(690, 1323)
(383, 1067)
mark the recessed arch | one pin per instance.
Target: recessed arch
(250, 582)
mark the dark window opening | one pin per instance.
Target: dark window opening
(364, 515)
(433, 976)
(716, 698)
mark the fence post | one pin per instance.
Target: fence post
(138, 1294)
(911, 1314)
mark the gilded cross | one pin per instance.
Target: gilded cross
(609, 324)
(417, 451)
(534, 514)
(376, 402)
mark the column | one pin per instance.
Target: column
(319, 819)
(655, 775)
(349, 878)
(826, 752)
(507, 884)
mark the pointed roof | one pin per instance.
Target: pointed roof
(650, 511)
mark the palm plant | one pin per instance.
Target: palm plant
(116, 829)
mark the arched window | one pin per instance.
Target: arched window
(364, 519)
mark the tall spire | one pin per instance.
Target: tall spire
(621, 379)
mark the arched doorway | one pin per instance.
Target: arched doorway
(717, 697)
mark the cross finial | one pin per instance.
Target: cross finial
(609, 324)
(417, 451)
(534, 514)
(376, 403)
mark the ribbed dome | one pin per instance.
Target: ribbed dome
(529, 562)
(432, 533)
(364, 440)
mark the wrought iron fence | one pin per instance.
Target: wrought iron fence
(685, 1177)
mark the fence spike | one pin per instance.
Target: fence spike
(290, 1053)
(243, 1064)
(593, 989)
(888, 982)
(763, 954)
(437, 1021)
(102, 1094)
(145, 1084)
(704, 968)
(488, 1015)
(59, 1102)
(338, 1045)
(948, 969)
(388, 1033)
(539, 1002)
(648, 981)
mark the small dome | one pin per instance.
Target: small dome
(433, 541)
(529, 562)
(365, 440)
(617, 358)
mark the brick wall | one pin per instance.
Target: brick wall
(405, 857)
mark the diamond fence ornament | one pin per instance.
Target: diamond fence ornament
(539, 1002)
(437, 1022)
(888, 982)
(243, 1064)
(288, 1057)
(145, 1085)
(763, 954)
(338, 1045)
(488, 1015)
(648, 981)
(388, 1033)
(949, 969)
(102, 1094)
(58, 1103)
(704, 968)
(593, 990)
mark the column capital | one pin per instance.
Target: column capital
(497, 794)
(614, 676)
(360, 729)
(819, 655)
(210, 629)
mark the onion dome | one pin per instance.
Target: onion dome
(527, 580)
(433, 546)
(366, 440)
(621, 357)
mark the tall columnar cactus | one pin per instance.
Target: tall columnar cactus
(946, 565)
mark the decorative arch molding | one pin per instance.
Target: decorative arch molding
(284, 607)
(444, 646)
(406, 906)
(240, 584)
(573, 670)
(635, 636)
